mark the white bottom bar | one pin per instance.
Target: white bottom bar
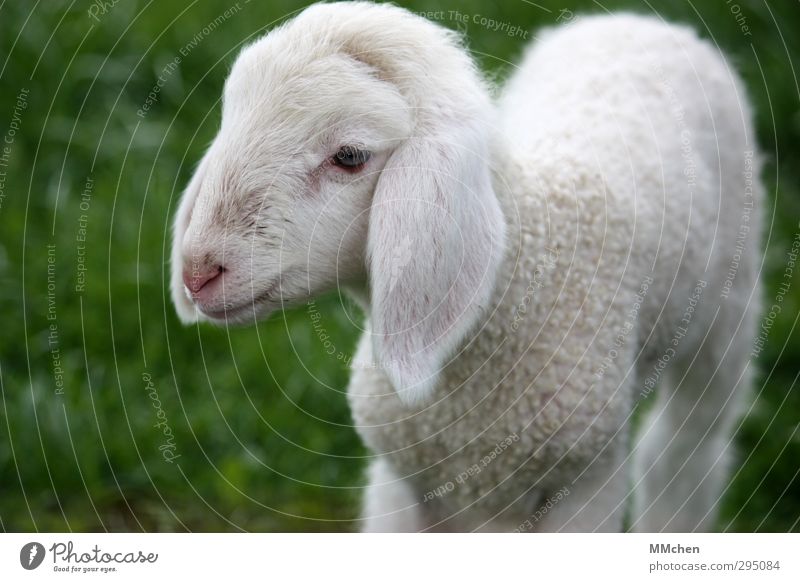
(387, 557)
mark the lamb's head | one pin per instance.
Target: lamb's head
(352, 149)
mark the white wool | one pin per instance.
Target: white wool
(530, 268)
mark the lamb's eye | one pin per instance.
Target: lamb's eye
(351, 157)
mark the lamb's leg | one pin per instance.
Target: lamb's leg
(594, 501)
(682, 457)
(390, 504)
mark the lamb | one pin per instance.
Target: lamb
(532, 265)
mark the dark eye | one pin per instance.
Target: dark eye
(351, 157)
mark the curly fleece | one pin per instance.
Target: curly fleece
(625, 166)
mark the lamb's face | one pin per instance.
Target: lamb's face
(278, 208)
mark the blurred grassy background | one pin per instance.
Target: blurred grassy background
(257, 415)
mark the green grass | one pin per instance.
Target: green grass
(257, 415)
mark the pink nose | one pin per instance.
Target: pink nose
(196, 279)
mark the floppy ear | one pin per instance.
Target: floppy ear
(436, 236)
(185, 309)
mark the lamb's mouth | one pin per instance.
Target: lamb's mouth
(234, 313)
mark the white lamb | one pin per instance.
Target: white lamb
(531, 268)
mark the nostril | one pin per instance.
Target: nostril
(196, 279)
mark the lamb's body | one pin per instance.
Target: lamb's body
(620, 163)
